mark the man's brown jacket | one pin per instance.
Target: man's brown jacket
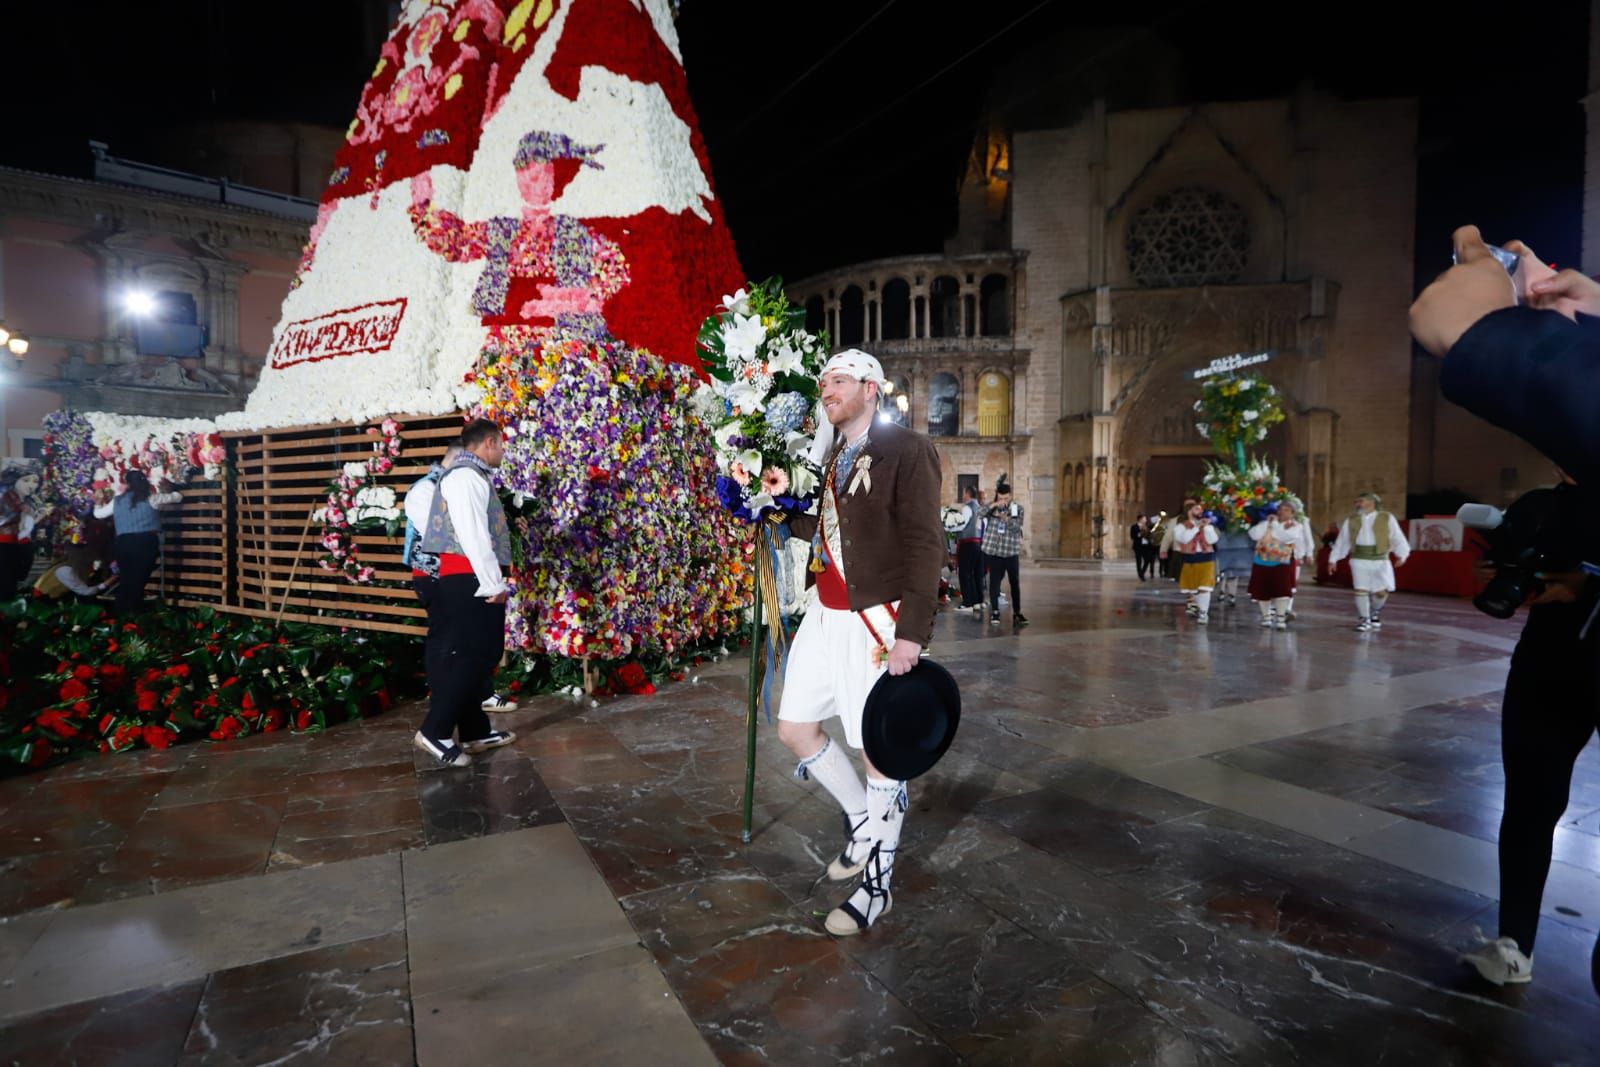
(891, 535)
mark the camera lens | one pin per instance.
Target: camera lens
(1502, 596)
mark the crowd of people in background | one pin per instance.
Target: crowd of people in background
(989, 547)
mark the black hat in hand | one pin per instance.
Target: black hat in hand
(910, 719)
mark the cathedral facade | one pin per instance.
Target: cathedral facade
(1098, 264)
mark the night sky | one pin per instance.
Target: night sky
(837, 130)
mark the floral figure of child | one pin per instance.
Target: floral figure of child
(575, 270)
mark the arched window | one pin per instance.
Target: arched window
(995, 306)
(896, 310)
(815, 319)
(852, 317)
(944, 307)
(994, 404)
(1188, 237)
(944, 406)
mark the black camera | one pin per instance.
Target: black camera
(1538, 533)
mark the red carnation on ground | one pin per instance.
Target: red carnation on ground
(72, 689)
(56, 721)
(158, 737)
(83, 673)
(106, 721)
(302, 720)
(81, 708)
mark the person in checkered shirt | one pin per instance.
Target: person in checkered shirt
(1002, 545)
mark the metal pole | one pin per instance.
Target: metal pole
(754, 692)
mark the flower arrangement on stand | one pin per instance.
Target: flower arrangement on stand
(619, 547)
(761, 400)
(356, 504)
(1238, 497)
(1235, 411)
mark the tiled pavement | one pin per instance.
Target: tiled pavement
(1151, 843)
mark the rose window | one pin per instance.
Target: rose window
(1190, 236)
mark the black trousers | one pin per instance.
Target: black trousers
(1549, 714)
(969, 563)
(998, 566)
(424, 587)
(1144, 557)
(466, 637)
(136, 556)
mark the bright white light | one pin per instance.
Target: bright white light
(883, 416)
(138, 302)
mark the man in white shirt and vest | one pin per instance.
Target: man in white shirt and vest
(1369, 536)
(467, 530)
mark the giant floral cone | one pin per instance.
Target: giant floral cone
(522, 166)
(521, 225)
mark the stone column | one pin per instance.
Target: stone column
(969, 399)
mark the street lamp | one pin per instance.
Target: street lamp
(15, 343)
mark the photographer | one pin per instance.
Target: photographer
(1522, 351)
(1548, 715)
(1002, 544)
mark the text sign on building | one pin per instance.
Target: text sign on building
(1226, 364)
(347, 332)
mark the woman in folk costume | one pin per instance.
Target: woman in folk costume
(876, 548)
(1369, 537)
(1196, 542)
(1281, 545)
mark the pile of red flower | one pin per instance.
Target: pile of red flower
(74, 679)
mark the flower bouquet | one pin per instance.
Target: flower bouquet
(1236, 411)
(356, 504)
(761, 400)
(1239, 498)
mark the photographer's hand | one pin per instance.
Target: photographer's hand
(1561, 587)
(1462, 295)
(1568, 292)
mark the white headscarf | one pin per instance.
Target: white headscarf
(863, 366)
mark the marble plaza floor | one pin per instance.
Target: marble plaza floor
(1151, 843)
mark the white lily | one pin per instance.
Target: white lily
(760, 501)
(1246, 383)
(797, 443)
(746, 397)
(738, 303)
(741, 340)
(750, 460)
(1251, 415)
(802, 482)
(723, 435)
(786, 358)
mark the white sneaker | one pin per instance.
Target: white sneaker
(1202, 619)
(1266, 622)
(496, 702)
(448, 753)
(1363, 626)
(1377, 623)
(1500, 961)
(495, 739)
(1192, 608)
(1281, 624)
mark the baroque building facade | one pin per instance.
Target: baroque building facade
(1137, 246)
(142, 291)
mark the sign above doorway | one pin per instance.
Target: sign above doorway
(1226, 364)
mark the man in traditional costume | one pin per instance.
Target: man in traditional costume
(1282, 544)
(1196, 543)
(467, 531)
(876, 548)
(1369, 537)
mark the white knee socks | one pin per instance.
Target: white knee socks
(1281, 606)
(1202, 600)
(886, 812)
(1266, 608)
(1379, 599)
(832, 769)
(1363, 605)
